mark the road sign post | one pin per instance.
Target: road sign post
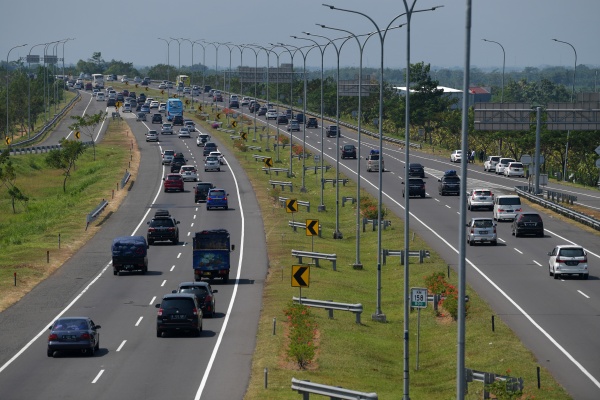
(312, 230)
(300, 277)
(418, 300)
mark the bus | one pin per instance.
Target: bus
(174, 107)
(98, 81)
(184, 79)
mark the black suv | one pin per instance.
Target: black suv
(163, 227)
(157, 119)
(416, 169)
(178, 120)
(416, 187)
(179, 312)
(208, 147)
(332, 130)
(204, 295)
(348, 151)
(528, 223)
(111, 103)
(282, 119)
(312, 122)
(234, 104)
(449, 183)
(142, 98)
(177, 161)
(201, 191)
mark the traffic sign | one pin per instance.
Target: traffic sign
(244, 135)
(7, 140)
(291, 206)
(234, 123)
(77, 134)
(199, 108)
(268, 162)
(219, 116)
(312, 227)
(162, 92)
(597, 150)
(317, 158)
(187, 102)
(118, 104)
(300, 275)
(418, 297)
(136, 85)
(526, 159)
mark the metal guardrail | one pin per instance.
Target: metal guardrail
(276, 170)
(357, 309)
(352, 200)
(125, 179)
(333, 181)
(49, 124)
(302, 203)
(39, 149)
(302, 225)
(305, 388)
(384, 222)
(318, 167)
(560, 197)
(94, 214)
(512, 384)
(422, 254)
(526, 192)
(315, 256)
(282, 184)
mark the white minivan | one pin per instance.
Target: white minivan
(506, 207)
(100, 96)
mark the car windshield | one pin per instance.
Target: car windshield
(212, 158)
(187, 168)
(174, 177)
(510, 201)
(516, 165)
(70, 324)
(176, 304)
(530, 218)
(483, 223)
(452, 179)
(572, 252)
(482, 193)
(197, 290)
(162, 223)
(374, 156)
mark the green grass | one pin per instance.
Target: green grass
(28, 235)
(367, 357)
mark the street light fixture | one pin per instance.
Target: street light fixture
(268, 52)
(16, 47)
(168, 42)
(29, 125)
(178, 55)
(572, 98)
(503, 65)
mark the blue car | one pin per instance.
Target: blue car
(216, 198)
(145, 109)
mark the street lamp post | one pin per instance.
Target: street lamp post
(321, 48)
(290, 170)
(277, 102)
(572, 98)
(503, 65)
(191, 70)
(379, 316)
(29, 126)
(63, 56)
(268, 52)
(251, 47)
(178, 55)
(168, 42)
(16, 47)
(46, 96)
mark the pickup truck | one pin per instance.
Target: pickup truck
(449, 183)
(333, 131)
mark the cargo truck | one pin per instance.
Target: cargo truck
(211, 250)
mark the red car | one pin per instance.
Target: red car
(173, 182)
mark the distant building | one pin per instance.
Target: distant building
(477, 94)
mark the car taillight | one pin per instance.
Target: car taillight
(53, 336)
(225, 198)
(559, 260)
(584, 260)
(85, 336)
(195, 311)
(518, 210)
(494, 229)
(208, 198)
(150, 229)
(160, 312)
(472, 230)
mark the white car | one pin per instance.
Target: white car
(162, 86)
(212, 163)
(502, 163)
(271, 114)
(456, 156)
(127, 107)
(154, 104)
(137, 79)
(188, 123)
(187, 90)
(184, 133)
(218, 155)
(124, 79)
(100, 96)
(514, 169)
(480, 198)
(202, 139)
(189, 173)
(245, 101)
(152, 136)
(490, 163)
(162, 107)
(568, 259)
(167, 128)
(169, 85)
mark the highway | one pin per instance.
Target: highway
(556, 319)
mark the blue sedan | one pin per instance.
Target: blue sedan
(73, 334)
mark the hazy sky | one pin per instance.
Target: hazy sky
(128, 30)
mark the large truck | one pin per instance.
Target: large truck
(129, 253)
(211, 250)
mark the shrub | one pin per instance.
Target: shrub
(302, 333)
(240, 145)
(275, 192)
(437, 284)
(368, 208)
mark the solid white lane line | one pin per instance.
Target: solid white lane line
(122, 344)
(154, 298)
(138, 321)
(98, 376)
(583, 294)
(518, 251)
(163, 283)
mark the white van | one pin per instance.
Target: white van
(100, 96)
(373, 162)
(506, 207)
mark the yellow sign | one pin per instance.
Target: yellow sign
(300, 275)
(162, 92)
(312, 227)
(7, 140)
(268, 162)
(291, 206)
(77, 134)
(219, 116)
(146, 88)
(234, 123)
(126, 83)
(118, 104)
(199, 108)
(187, 102)
(244, 135)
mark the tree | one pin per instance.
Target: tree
(87, 125)
(65, 157)
(8, 176)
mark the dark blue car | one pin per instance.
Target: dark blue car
(216, 198)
